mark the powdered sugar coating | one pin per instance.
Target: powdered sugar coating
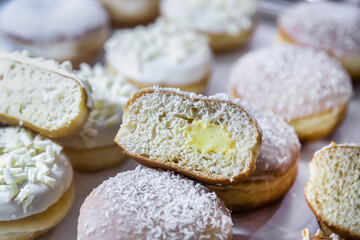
(43, 20)
(291, 81)
(334, 27)
(152, 204)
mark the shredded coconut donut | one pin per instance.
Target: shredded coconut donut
(291, 81)
(334, 27)
(152, 204)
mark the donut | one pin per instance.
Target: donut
(93, 148)
(228, 24)
(152, 204)
(332, 192)
(36, 186)
(210, 139)
(160, 54)
(57, 29)
(307, 87)
(329, 26)
(42, 95)
(132, 12)
(276, 166)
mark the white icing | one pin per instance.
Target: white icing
(110, 94)
(55, 20)
(161, 53)
(291, 81)
(151, 204)
(306, 235)
(334, 27)
(33, 173)
(211, 16)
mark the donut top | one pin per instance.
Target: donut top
(291, 81)
(43, 20)
(280, 146)
(33, 173)
(153, 204)
(110, 94)
(329, 26)
(333, 144)
(213, 16)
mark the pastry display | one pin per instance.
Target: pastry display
(161, 54)
(56, 29)
(36, 186)
(276, 166)
(132, 12)
(332, 192)
(93, 148)
(333, 27)
(151, 204)
(42, 95)
(307, 87)
(228, 24)
(210, 139)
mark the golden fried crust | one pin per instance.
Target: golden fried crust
(153, 163)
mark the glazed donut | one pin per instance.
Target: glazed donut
(57, 29)
(151, 204)
(132, 12)
(42, 95)
(305, 86)
(36, 187)
(161, 54)
(333, 27)
(210, 139)
(332, 192)
(93, 148)
(276, 166)
(228, 24)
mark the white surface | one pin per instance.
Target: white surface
(285, 219)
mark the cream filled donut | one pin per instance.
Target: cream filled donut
(36, 186)
(151, 204)
(94, 147)
(333, 27)
(132, 12)
(57, 29)
(161, 54)
(276, 166)
(228, 24)
(307, 87)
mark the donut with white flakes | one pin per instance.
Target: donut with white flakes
(307, 87)
(93, 148)
(333, 190)
(276, 166)
(210, 139)
(151, 204)
(36, 185)
(42, 95)
(228, 24)
(161, 54)
(57, 29)
(333, 27)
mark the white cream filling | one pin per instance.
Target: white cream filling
(33, 173)
(211, 16)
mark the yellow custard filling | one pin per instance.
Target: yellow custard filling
(209, 137)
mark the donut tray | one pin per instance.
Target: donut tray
(283, 220)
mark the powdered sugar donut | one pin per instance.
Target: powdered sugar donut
(57, 29)
(276, 166)
(152, 204)
(132, 12)
(94, 147)
(307, 87)
(333, 27)
(228, 24)
(36, 189)
(161, 54)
